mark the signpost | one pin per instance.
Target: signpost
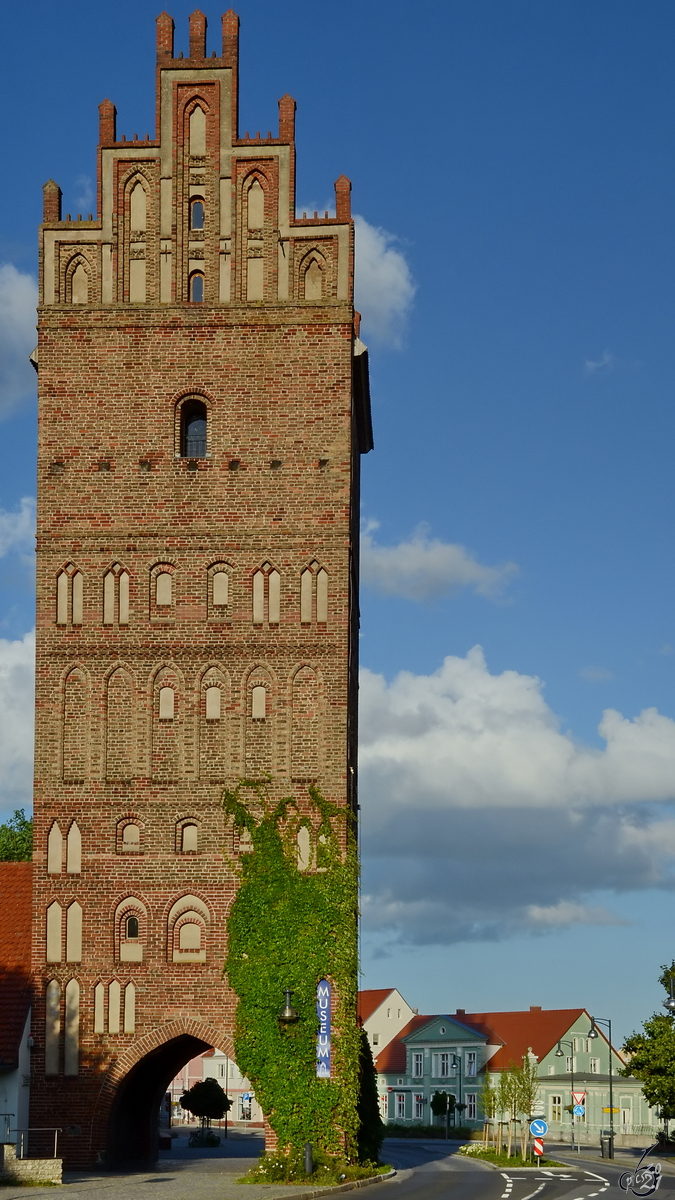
(323, 1036)
(538, 1147)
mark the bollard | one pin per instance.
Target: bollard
(309, 1163)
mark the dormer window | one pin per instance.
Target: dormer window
(197, 214)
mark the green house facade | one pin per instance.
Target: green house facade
(454, 1053)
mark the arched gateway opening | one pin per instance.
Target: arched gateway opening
(133, 1125)
(127, 1119)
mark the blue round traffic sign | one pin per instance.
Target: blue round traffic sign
(578, 1110)
(538, 1127)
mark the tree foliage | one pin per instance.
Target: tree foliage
(206, 1100)
(291, 929)
(652, 1055)
(370, 1129)
(440, 1102)
(16, 838)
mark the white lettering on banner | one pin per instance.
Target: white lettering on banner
(323, 997)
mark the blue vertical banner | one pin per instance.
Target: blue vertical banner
(323, 1037)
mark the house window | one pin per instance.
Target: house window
(570, 1064)
(594, 1066)
(441, 1066)
(376, 1039)
(418, 1065)
(418, 1107)
(197, 287)
(551, 1070)
(400, 1106)
(132, 927)
(470, 1100)
(197, 214)
(471, 1063)
(555, 1108)
(193, 429)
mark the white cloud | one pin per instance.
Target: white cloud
(17, 529)
(481, 820)
(596, 674)
(16, 722)
(18, 298)
(602, 365)
(85, 193)
(425, 568)
(463, 737)
(383, 285)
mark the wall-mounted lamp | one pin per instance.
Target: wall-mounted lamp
(288, 1015)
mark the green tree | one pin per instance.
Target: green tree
(528, 1095)
(652, 1055)
(508, 1090)
(487, 1099)
(206, 1100)
(370, 1130)
(16, 838)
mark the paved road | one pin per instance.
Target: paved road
(425, 1172)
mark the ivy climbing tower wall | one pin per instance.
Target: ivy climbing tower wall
(203, 402)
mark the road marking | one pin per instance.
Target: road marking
(600, 1177)
(536, 1193)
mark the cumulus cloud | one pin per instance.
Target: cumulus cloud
(17, 529)
(85, 192)
(425, 568)
(383, 285)
(18, 298)
(16, 722)
(482, 819)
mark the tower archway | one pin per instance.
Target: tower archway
(127, 1118)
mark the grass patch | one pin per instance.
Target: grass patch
(328, 1170)
(499, 1159)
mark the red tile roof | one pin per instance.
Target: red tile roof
(537, 1029)
(15, 923)
(370, 1000)
(392, 1057)
(514, 1032)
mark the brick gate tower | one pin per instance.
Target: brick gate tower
(203, 401)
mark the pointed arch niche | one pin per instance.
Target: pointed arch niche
(167, 724)
(306, 724)
(214, 712)
(120, 739)
(76, 721)
(260, 723)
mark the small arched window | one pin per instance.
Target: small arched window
(197, 287)
(132, 927)
(196, 214)
(193, 429)
(259, 703)
(131, 839)
(189, 839)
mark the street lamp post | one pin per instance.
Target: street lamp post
(594, 1033)
(457, 1064)
(559, 1054)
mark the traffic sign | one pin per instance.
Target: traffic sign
(578, 1097)
(246, 1096)
(538, 1127)
(611, 1110)
(538, 1147)
(579, 1110)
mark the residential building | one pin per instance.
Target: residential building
(383, 1013)
(454, 1053)
(15, 997)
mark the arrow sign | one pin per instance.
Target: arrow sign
(538, 1147)
(578, 1110)
(578, 1097)
(538, 1128)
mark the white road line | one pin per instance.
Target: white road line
(532, 1194)
(594, 1176)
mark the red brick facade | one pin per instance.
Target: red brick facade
(178, 647)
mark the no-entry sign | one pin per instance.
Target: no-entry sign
(539, 1147)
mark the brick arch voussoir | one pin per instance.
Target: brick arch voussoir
(160, 1036)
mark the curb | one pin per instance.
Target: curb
(333, 1189)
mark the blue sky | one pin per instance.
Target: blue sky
(513, 168)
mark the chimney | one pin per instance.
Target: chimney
(164, 36)
(343, 209)
(107, 121)
(197, 34)
(51, 202)
(535, 1008)
(460, 1012)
